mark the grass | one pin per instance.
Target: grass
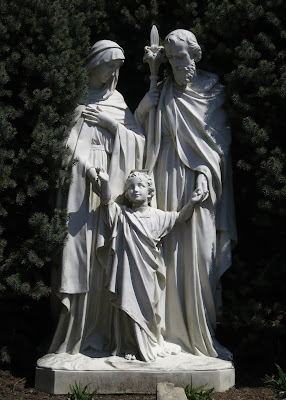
(277, 384)
(198, 393)
(79, 393)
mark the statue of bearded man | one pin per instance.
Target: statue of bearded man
(189, 149)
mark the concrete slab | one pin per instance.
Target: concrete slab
(114, 375)
(167, 391)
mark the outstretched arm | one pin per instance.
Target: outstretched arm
(103, 177)
(102, 190)
(92, 176)
(187, 211)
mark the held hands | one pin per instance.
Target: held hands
(199, 196)
(95, 116)
(93, 178)
(202, 185)
(102, 190)
(102, 175)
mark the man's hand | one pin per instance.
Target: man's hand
(151, 99)
(95, 116)
(197, 195)
(202, 184)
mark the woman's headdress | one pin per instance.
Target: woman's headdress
(102, 52)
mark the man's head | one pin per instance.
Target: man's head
(139, 188)
(182, 51)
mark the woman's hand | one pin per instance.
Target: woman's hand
(95, 116)
(92, 175)
(102, 175)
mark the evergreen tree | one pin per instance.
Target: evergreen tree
(252, 37)
(43, 45)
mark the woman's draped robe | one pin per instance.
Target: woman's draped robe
(191, 137)
(136, 279)
(81, 283)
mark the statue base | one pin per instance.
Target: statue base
(55, 373)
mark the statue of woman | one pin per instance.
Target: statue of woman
(105, 135)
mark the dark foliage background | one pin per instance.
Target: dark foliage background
(42, 49)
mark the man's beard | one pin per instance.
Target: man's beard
(185, 75)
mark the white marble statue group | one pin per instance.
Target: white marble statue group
(151, 215)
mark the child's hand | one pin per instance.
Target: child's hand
(102, 175)
(199, 195)
(92, 176)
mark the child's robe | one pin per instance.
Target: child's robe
(137, 274)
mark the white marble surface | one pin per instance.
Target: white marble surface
(114, 375)
(187, 149)
(167, 391)
(126, 287)
(182, 362)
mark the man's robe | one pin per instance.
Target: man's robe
(191, 137)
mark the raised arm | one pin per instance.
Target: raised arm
(102, 190)
(103, 177)
(187, 211)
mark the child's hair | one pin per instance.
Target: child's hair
(141, 175)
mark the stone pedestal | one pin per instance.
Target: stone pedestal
(114, 375)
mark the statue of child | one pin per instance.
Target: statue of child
(136, 271)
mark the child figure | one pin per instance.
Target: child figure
(136, 270)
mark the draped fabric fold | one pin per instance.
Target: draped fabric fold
(86, 322)
(136, 275)
(191, 137)
(125, 155)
